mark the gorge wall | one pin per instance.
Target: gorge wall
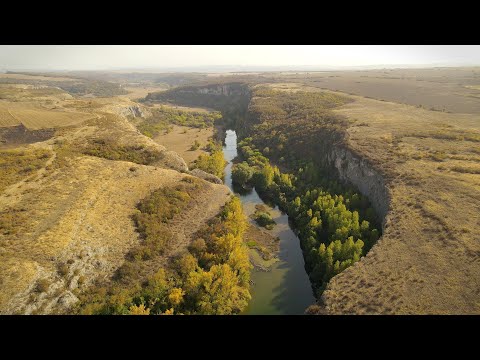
(358, 172)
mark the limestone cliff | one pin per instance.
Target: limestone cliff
(358, 172)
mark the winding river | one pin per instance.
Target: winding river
(285, 289)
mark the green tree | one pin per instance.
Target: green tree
(265, 178)
(242, 173)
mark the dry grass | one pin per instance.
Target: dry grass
(16, 165)
(181, 138)
(33, 116)
(42, 119)
(428, 260)
(474, 87)
(6, 119)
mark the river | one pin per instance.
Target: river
(285, 289)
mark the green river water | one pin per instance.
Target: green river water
(285, 289)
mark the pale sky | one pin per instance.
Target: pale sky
(104, 57)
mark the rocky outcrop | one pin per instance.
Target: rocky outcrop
(206, 176)
(132, 110)
(221, 89)
(360, 173)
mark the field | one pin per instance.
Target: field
(183, 108)
(34, 77)
(35, 117)
(6, 118)
(453, 90)
(181, 138)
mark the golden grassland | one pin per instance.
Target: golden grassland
(182, 108)
(34, 116)
(181, 139)
(43, 119)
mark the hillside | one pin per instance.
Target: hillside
(67, 198)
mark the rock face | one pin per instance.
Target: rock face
(225, 90)
(359, 172)
(206, 176)
(132, 110)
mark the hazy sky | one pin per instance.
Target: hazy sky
(89, 57)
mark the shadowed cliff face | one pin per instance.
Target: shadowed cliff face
(358, 172)
(234, 89)
(228, 98)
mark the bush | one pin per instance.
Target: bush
(63, 269)
(263, 218)
(195, 146)
(112, 151)
(43, 285)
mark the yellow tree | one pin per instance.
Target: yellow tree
(138, 310)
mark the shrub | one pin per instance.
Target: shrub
(43, 285)
(113, 151)
(63, 269)
(195, 146)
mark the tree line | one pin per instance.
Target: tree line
(336, 225)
